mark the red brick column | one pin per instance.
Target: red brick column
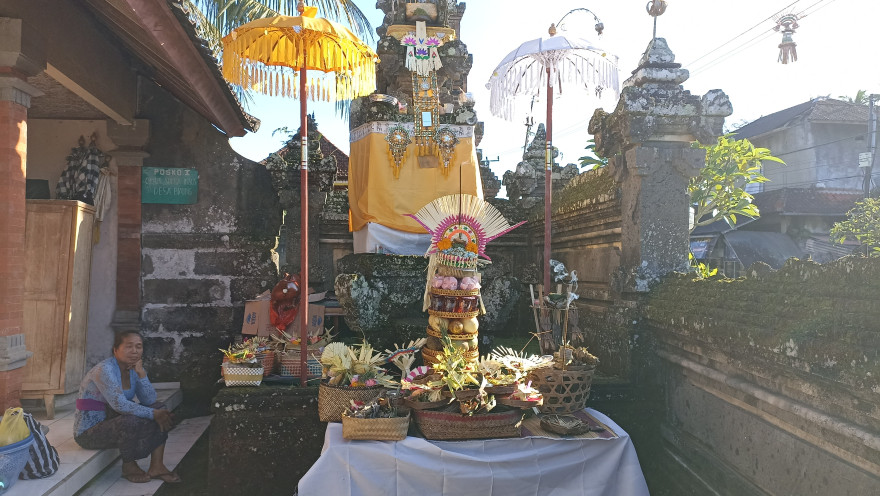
(129, 156)
(15, 98)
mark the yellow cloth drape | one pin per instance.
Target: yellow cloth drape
(374, 195)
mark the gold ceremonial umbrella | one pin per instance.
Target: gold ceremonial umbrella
(268, 56)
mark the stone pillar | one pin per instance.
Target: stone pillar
(648, 141)
(21, 56)
(129, 156)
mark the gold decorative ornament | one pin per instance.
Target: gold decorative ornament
(446, 141)
(398, 140)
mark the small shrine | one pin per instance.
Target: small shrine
(415, 139)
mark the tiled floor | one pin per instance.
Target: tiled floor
(97, 473)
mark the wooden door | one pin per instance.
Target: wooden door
(48, 234)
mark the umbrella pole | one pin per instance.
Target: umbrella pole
(304, 231)
(548, 179)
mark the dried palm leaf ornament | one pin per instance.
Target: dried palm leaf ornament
(465, 220)
(788, 48)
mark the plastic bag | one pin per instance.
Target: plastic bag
(13, 428)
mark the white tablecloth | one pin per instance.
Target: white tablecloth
(500, 467)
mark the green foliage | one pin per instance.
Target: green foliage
(718, 192)
(700, 269)
(592, 161)
(862, 224)
(861, 98)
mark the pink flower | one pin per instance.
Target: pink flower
(371, 382)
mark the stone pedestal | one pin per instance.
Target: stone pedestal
(648, 141)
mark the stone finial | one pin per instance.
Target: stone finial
(657, 66)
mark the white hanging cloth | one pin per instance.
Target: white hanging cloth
(421, 51)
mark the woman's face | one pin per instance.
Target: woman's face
(130, 351)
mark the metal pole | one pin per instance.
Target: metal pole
(304, 221)
(873, 149)
(548, 179)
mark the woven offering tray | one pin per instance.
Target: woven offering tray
(425, 405)
(448, 425)
(522, 404)
(453, 315)
(455, 292)
(501, 390)
(566, 425)
(455, 337)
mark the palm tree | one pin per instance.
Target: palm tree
(861, 98)
(216, 18)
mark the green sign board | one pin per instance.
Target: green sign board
(169, 185)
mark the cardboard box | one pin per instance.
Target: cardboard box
(256, 318)
(257, 322)
(316, 322)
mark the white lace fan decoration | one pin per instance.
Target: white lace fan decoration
(463, 217)
(571, 60)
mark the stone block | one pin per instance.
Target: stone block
(263, 440)
(184, 291)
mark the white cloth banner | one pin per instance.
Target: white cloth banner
(376, 238)
(499, 467)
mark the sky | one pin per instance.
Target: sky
(725, 45)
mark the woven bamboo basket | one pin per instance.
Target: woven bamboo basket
(375, 429)
(267, 358)
(455, 292)
(454, 315)
(564, 391)
(290, 364)
(455, 337)
(333, 400)
(234, 375)
(452, 425)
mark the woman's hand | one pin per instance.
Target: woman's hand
(163, 418)
(139, 369)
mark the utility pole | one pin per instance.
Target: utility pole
(873, 144)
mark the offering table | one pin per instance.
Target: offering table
(538, 463)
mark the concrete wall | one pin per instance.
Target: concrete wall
(773, 381)
(201, 261)
(808, 164)
(50, 142)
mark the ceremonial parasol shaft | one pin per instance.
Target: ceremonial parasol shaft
(304, 231)
(548, 179)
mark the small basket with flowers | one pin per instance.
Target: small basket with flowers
(566, 383)
(376, 420)
(241, 367)
(351, 373)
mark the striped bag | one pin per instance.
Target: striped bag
(43, 461)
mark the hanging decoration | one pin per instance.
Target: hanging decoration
(427, 111)
(787, 23)
(421, 51)
(398, 139)
(446, 141)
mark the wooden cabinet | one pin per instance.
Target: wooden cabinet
(58, 254)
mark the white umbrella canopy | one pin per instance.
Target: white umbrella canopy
(571, 60)
(550, 61)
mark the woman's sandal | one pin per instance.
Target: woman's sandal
(137, 477)
(169, 477)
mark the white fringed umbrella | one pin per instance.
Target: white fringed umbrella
(557, 62)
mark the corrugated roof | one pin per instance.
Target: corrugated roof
(816, 110)
(756, 246)
(811, 201)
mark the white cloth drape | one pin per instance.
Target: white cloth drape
(497, 467)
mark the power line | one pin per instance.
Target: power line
(740, 48)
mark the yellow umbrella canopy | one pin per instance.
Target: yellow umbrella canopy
(257, 54)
